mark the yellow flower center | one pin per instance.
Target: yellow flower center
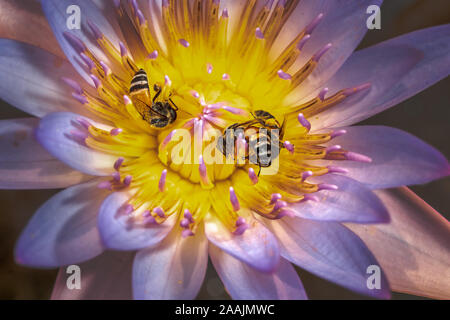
(216, 76)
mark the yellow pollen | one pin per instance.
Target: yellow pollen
(216, 76)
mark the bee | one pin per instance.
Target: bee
(159, 114)
(263, 136)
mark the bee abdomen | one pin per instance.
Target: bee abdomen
(139, 82)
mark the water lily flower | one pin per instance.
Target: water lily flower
(142, 225)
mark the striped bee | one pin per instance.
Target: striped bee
(159, 114)
(263, 136)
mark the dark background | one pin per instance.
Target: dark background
(426, 115)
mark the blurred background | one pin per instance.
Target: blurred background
(427, 115)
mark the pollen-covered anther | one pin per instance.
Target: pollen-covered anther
(252, 175)
(167, 140)
(337, 133)
(128, 209)
(334, 148)
(195, 94)
(306, 175)
(274, 198)
(127, 180)
(115, 132)
(241, 226)
(148, 217)
(162, 181)
(186, 223)
(184, 43)
(209, 68)
(205, 181)
(118, 163)
(159, 212)
(322, 94)
(321, 52)
(259, 34)
(79, 136)
(80, 98)
(188, 216)
(153, 55)
(289, 146)
(327, 186)
(88, 61)
(303, 121)
(116, 176)
(283, 75)
(234, 200)
(84, 123)
(97, 82)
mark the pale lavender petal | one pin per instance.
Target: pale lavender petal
(257, 246)
(343, 25)
(55, 11)
(414, 248)
(106, 277)
(30, 79)
(118, 230)
(24, 164)
(397, 69)
(55, 134)
(171, 270)
(64, 230)
(351, 202)
(246, 283)
(398, 158)
(329, 250)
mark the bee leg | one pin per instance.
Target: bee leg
(259, 172)
(158, 90)
(176, 107)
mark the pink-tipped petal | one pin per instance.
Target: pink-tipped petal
(413, 248)
(116, 231)
(180, 264)
(247, 246)
(245, 283)
(54, 134)
(69, 237)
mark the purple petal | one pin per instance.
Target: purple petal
(246, 283)
(257, 246)
(351, 202)
(174, 269)
(24, 164)
(329, 250)
(118, 231)
(414, 248)
(55, 134)
(55, 11)
(107, 277)
(398, 158)
(64, 230)
(397, 69)
(30, 79)
(343, 25)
